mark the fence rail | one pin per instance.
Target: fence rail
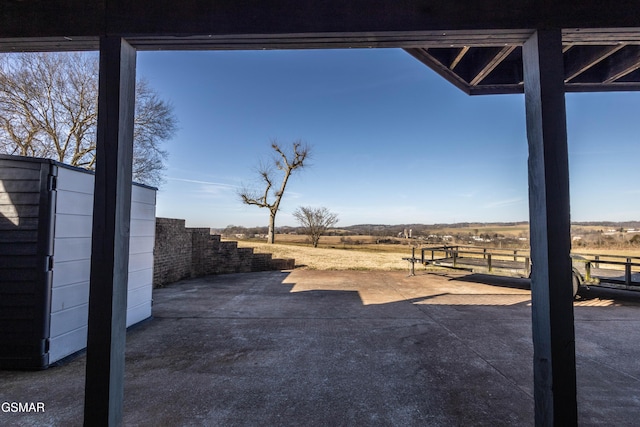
(594, 269)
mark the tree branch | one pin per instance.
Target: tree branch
(286, 162)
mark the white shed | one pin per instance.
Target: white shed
(46, 212)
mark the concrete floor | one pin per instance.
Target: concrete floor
(347, 348)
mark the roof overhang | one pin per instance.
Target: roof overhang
(594, 60)
(475, 44)
(479, 62)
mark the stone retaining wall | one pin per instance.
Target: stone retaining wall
(182, 252)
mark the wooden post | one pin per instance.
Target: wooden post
(104, 384)
(587, 271)
(549, 215)
(413, 261)
(489, 262)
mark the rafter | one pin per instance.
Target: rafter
(580, 59)
(491, 65)
(423, 56)
(463, 51)
(623, 64)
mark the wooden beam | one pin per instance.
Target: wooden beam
(580, 59)
(549, 217)
(599, 87)
(52, 18)
(50, 44)
(104, 384)
(491, 65)
(498, 89)
(625, 63)
(463, 51)
(395, 39)
(423, 56)
(602, 35)
(185, 18)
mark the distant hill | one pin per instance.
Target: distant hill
(381, 229)
(609, 224)
(418, 229)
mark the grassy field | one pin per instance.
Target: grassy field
(506, 230)
(357, 243)
(625, 252)
(347, 257)
(334, 254)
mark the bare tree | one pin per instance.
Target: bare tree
(285, 161)
(48, 108)
(315, 221)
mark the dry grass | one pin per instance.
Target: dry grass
(336, 255)
(326, 258)
(324, 240)
(506, 230)
(617, 252)
(599, 251)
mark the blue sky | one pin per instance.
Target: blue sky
(392, 141)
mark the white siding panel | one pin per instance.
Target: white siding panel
(140, 261)
(66, 344)
(138, 314)
(73, 225)
(138, 245)
(72, 260)
(74, 203)
(143, 195)
(69, 272)
(72, 249)
(142, 211)
(75, 181)
(67, 320)
(66, 297)
(138, 296)
(143, 227)
(140, 278)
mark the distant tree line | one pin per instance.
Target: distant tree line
(260, 232)
(236, 230)
(609, 224)
(585, 234)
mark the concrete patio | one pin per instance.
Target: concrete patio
(347, 348)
